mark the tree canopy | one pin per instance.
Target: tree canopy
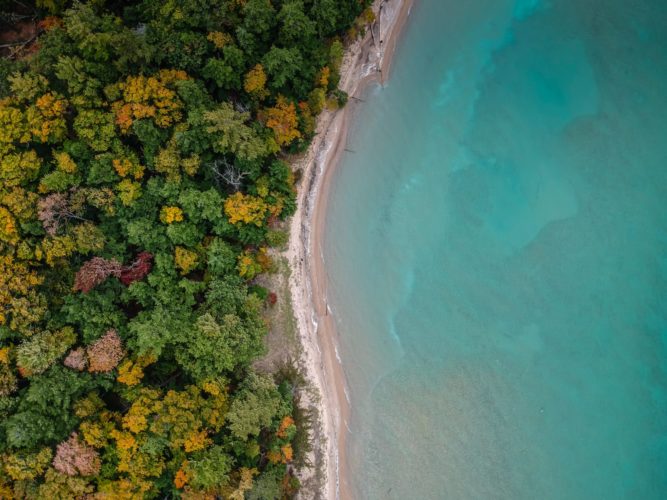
(142, 167)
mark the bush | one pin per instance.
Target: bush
(341, 97)
(277, 239)
(260, 291)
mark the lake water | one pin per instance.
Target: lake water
(497, 253)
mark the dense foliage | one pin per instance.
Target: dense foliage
(140, 179)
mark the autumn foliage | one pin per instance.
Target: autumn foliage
(282, 119)
(149, 97)
(75, 458)
(105, 353)
(76, 359)
(138, 269)
(143, 184)
(245, 209)
(255, 82)
(94, 272)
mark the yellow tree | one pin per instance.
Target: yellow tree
(246, 209)
(169, 215)
(64, 162)
(53, 249)
(26, 466)
(182, 420)
(247, 265)
(128, 191)
(8, 230)
(128, 167)
(13, 128)
(283, 121)
(323, 76)
(20, 304)
(245, 478)
(148, 97)
(185, 260)
(130, 372)
(46, 118)
(255, 82)
(170, 162)
(219, 38)
(21, 203)
(19, 168)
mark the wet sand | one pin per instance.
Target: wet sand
(367, 61)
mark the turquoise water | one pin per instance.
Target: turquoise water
(497, 250)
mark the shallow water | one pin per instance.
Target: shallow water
(497, 252)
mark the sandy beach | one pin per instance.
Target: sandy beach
(366, 61)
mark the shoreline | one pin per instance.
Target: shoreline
(365, 62)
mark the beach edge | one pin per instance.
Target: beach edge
(366, 61)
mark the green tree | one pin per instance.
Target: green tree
(44, 414)
(102, 37)
(210, 467)
(26, 86)
(35, 355)
(295, 26)
(200, 206)
(268, 485)
(18, 168)
(326, 15)
(227, 71)
(231, 134)
(254, 32)
(255, 406)
(221, 258)
(81, 84)
(95, 128)
(215, 348)
(282, 66)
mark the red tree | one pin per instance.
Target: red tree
(138, 269)
(94, 272)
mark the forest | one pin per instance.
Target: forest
(144, 175)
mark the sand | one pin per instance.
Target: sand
(365, 62)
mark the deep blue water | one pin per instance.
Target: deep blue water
(497, 250)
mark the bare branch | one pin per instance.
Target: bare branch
(241, 108)
(13, 17)
(21, 43)
(54, 212)
(230, 174)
